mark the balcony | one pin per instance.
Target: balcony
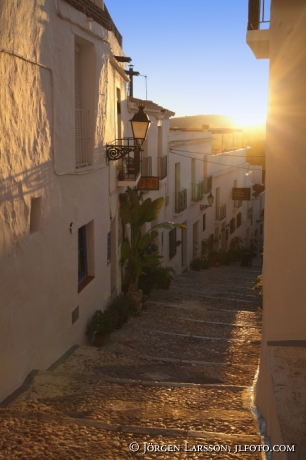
(129, 169)
(237, 204)
(207, 184)
(162, 167)
(197, 192)
(181, 201)
(220, 212)
(146, 166)
(258, 33)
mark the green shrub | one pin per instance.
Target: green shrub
(124, 307)
(102, 322)
(196, 264)
(154, 278)
(205, 264)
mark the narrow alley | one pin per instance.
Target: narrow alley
(174, 382)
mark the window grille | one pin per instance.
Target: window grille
(81, 118)
(82, 265)
(172, 243)
(146, 166)
(204, 222)
(162, 167)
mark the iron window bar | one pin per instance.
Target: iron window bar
(257, 14)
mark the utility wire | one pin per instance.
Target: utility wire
(214, 154)
(215, 163)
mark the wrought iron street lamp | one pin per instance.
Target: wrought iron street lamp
(210, 199)
(122, 147)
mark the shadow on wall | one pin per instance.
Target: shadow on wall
(26, 182)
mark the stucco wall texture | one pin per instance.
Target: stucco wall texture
(39, 267)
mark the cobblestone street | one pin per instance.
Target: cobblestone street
(178, 376)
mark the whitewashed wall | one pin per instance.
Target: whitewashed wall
(39, 270)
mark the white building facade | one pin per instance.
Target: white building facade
(280, 393)
(195, 172)
(60, 83)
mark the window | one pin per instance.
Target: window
(172, 243)
(83, 269)
(118, 94)
(239, 219)
(160, 140)
(108, 248)
(204, 222)
(85, 256)
(81, 116)
(35, 214)
(232, 225)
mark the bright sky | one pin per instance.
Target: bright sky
(195, 56)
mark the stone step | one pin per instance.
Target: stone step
(197, 311)
(185, 408)
(194, 348)
(222, 302)
(41, 436)
(114, 360)
(198, 328)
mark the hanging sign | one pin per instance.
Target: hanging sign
(240, 193)
(148, 183)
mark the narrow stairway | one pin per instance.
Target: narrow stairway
(174, 382)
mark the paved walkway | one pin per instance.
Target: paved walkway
(174, 382)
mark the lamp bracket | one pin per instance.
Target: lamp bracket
(205, 206)
(122, 147)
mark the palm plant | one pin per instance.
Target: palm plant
(134, 215)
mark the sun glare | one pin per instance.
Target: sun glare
(249, 119)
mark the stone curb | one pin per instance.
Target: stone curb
(242, 341)
(152, 431)
(122, 349)
(222, 324)
(204, 308)
(153, 383)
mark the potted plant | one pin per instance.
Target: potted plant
(166, 277)
(196, 265)
(124, 307)
(102, 324)
(205, 264)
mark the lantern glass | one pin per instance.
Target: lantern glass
(210, 199)
(140, 125)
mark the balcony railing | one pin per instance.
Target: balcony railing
(197, 192)
(207, 184)
(82, 157)
(146, 166)
(237, 203)
(129, 166)
(250, 212)
(181, 201)
(221, 212)
(162, 167)
(258, 14)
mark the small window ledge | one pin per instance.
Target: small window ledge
(82, 285)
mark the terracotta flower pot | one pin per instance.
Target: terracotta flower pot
(100, 340)
(166, 285)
